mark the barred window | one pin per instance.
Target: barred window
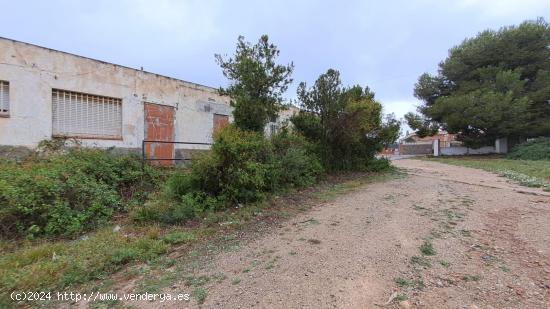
(83, 115)
(4, 98)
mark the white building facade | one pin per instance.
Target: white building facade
(46, 93)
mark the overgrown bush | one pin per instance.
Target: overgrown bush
(180, 183)
(378, 165)
(67, 193)
(175, 209)
(294, 162)
(241, 168)
(243, 165)
(235, 169)
(536, 149)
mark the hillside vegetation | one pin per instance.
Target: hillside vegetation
(536, 149)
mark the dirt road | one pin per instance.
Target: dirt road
(441, 237)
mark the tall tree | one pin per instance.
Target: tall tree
(257, 82)
(345, 122)
(495, 84)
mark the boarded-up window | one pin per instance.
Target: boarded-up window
(220, 121)
(87, 116)
(4, 98)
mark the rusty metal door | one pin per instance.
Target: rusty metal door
(159, 126)
(220, 121)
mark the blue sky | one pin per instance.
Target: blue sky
(383, 44)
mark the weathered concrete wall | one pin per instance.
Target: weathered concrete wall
(459, 151)
(283, 118)
(414, 149)
(34, 71)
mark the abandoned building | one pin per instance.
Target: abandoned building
(46, 93)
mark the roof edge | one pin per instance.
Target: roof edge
(110, 63)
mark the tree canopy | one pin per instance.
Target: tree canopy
(495, 84)
(257, 82)
(346, 123)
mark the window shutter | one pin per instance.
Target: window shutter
(84, 115)
(4, 98)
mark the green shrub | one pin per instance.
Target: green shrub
(235, 169)
(537, 149)
(294, 161)
(179, 184)
(241, 168)
(378, 165)
(181, 211)
(70, 192)
(175, 210)
(298, 168)
(150, 211)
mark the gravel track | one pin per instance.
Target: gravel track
(361, 250)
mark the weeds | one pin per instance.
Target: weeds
(469, 278)
(420, 261)
(59, 264)
(155, 284)
(200, 294)
(523, 179)
(196, 281)
(401, 282)
(427, 248)
(197, 284)
(445, 264)
(178, 237)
